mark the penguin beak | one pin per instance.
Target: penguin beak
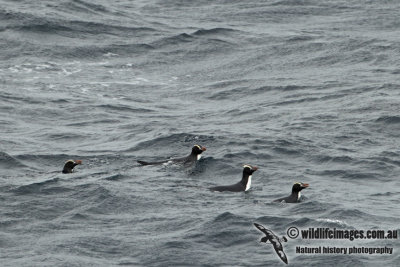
(305, 185)
(78, 162)
(203, 148)
(254, 168)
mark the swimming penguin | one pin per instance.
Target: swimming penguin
(70, 164)
(187, 161)
(243, 185)
(295, 196)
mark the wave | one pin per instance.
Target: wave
(102, 200)
(226, 229)
(298, 101)
(7, 240)
(85, 7)
(95, 51)
(206, 40)
(227, 217)
(308, 206)
(64, 136)
(386, 194)
(350, 213)
(91, 191)
(173, 40)
(62, 32)
(16, 99)
(349, 174)
(286, 150)
(83, 51)
(332, 223)
(80, 28)
(173, 139)
(214, 31)
(116, 177)
(235, 89)
(293, 3)
(38, 188)
(44, 157)
(335, 159)
(27, 22)
(94, 122)
(203, 40)
(284, 88)
(80, 217)
(389, 119)
(300, 38)
(9, 162)
(125, 108)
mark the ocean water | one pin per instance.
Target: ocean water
(306, 90)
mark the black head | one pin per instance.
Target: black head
(248, 169)
(297, 187)
(198, 149)
(70, 164)
(264, 239)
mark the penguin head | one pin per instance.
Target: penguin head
(70, 164)
(248, 169)
(297, 187)
(198, 149)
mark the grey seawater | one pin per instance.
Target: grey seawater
(305, 90)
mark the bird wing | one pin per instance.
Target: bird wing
(152, 163)
(266, 231)
(281, 200)
(280, 253)
(263, 229)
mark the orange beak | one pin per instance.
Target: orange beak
(78, 161)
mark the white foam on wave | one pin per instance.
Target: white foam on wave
(69, 72)
(332, 221)
(109, 54)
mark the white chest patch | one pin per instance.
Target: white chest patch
(198, 156)
(298, 196)
(248, 185)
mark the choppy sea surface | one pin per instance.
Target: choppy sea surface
(307, 90)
